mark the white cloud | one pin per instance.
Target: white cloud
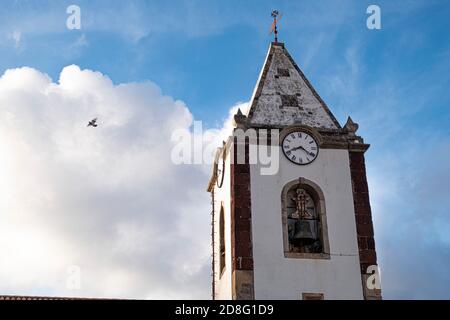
(106, 199)
(131, 20)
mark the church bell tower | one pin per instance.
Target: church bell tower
(304, 231)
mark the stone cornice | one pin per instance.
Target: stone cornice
(344, 139)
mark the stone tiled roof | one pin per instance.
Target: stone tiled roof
(19, 298)
(283, 96)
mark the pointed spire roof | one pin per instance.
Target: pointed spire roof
(283, 96)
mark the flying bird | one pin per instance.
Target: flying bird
(93, 123)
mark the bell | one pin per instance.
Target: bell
(305, 231)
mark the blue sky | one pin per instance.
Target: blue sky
(209, 53)
(394, 82)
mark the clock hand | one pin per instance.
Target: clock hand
(293, 149)
(297, 148)
(308, 153)
(300, 147)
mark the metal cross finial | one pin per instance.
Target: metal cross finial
(276, 17)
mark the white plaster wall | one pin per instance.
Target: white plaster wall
(277, 277)
(223, 195)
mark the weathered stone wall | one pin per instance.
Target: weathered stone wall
(363, 216)
(241, 230)
(284, 96)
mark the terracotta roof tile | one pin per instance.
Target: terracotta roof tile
(35, 298)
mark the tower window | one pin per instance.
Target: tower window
(304, 220)
(312, 296)
(281, 72)
(289, 101)
(222, 240)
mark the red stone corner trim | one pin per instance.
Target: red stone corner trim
(363, 216)
(241, 229)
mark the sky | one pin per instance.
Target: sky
(110, 206)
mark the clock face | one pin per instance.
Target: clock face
(300, 147)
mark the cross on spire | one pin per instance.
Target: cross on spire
(276, 17)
